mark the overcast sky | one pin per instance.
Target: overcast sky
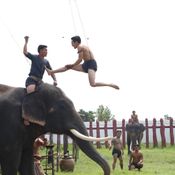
(133, 42)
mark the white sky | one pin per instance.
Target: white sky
(133, 42)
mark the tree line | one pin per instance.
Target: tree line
(103, 113)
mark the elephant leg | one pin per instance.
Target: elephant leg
(8, 170)
(128, 144)
(26, 166)
(11, 170)
(10, 163)
(140, 139)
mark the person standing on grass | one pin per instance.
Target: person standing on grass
(117, 149)
(136, 159)
(89, 65)
(38, 143)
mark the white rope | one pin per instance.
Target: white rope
(10, 33)
(13, 38)
(80, 19)
(72, 15)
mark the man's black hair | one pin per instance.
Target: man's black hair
(40, 47)
(76, 38)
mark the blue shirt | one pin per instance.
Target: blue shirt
(38, 65)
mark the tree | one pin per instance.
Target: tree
(104, 113)
(87, 116)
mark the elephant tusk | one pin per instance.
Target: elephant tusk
(88, 138)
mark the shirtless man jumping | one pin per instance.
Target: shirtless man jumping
(117, 150)
(89, 65)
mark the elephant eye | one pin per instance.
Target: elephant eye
(51, 110)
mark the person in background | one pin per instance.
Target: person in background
(38, 143)
(136, 159)
(117, 149)
(89, 65)
(134, 117)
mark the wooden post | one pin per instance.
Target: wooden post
(114, 126)
(58, 152)
(75, 151)
(106, 133)
(65, 143)
(171, 132)
(98, 134)
(123, 133)
(90, 129)
(155, 143)
(162, 132)
(147, 133)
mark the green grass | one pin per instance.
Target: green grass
(157, 161)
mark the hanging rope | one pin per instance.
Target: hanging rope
(80, 19)
(12, 37)
(10, 33)
(72, 15)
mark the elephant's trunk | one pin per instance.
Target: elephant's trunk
(90, 151)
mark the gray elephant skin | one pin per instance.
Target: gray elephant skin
(134, 134)
(16, 139)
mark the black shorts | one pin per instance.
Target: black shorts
(116, 152)
(30, 81)
(136, 165)
(90, 64)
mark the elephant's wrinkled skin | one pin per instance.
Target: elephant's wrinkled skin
(16, 139)
(134, 134)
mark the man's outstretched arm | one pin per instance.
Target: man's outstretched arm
(25, 45)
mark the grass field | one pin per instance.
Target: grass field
(159, 161)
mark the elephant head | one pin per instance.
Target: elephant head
(134, 134)
(5, 88)
(51, 107)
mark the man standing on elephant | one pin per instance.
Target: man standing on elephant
(136, 159)
(37, 69)
(117, 149)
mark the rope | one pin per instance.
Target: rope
(80, 19)
(72, 15)
(12, 37)
(10, 33)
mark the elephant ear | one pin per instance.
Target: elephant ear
(135, 127)
(142, 127)
(130, 127)
(34, 109)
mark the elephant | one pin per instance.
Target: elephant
(134, 134)
(50, 105)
